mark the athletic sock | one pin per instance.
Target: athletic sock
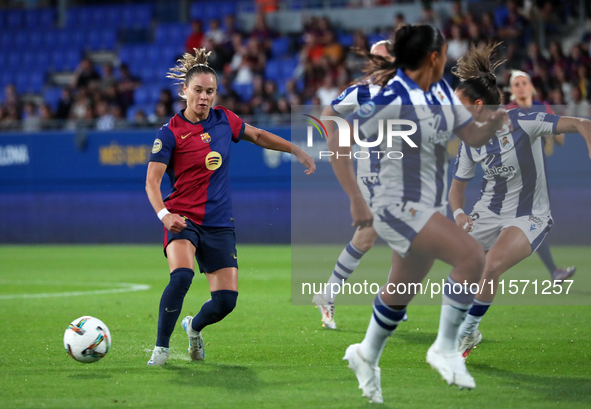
(455, 304)
(346, 263)
(546, 256)
(171, 303)
(474, 317)
(222, 303)
(384, 321)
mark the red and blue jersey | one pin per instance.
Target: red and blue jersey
(198, 156)
(536, 106)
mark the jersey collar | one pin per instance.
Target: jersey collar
(184, 118)
(408, 81)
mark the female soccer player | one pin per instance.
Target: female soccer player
(194, 150)
(409, 201)
(512, 216)
(363, 239)
(522, 93)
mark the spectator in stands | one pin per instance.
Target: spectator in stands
(215, 33)
(31, 121)
(217, 57)
(195, 38)
(458, 17)
(513, 28)
(430, 16)
(270, 90)
(231, 27)
(140, 119)
(456, 46)
(355, 62)
(47, 120)
(577, 58)
(583, 82)
(166, 99)
(487, 26)
(85, 74)
(534, 57)
(333, 50)
(159, 117)
(108, 79)
(64, 104)
(81, 106)
(127, 86)
(328, 91)
(557, 57)
(578, 106)
(563, 83)
(10, 119)
(261, 32)
(105, 120)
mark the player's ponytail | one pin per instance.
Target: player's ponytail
(190, 65)
(378, 70)
(476, 73)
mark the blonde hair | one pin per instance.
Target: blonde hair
(190, 65)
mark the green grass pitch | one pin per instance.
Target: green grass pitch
(267, 353)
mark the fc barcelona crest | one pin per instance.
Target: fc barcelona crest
(206, 138)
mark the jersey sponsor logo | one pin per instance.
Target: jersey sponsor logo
(370, 180)
(342, 96)
(184, 136)
(213, 160)
(475, 216)
(540, 116)
(502, 171)
(157, 146)
(367, 109)
(205, 138)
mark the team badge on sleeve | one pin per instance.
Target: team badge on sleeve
(206, 138)
(157, 146)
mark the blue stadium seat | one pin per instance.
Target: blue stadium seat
(374, 38)
(20, 40)
(71, 60)
(14, 19)
(28, 59)
(346, 40)
(287, 67)
(52, 97)
(227, 7)
(36, 81)
(14, 59)
(141, 96)
(42, 58)
(280, 47)
(58, 60)
(245, 91)
(273, 69)
(46, 18)
(36, 40)
(6, 40)
(6, 77)
(101, 39)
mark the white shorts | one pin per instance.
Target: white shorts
(399, 223)
(488, 226)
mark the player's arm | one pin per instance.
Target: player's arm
(328, 125)
(575, 125)
(457, 199)
(345, 173)
(476, 135)
(268, 140)
(172, 222)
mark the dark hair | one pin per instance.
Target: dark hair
(475, 71)
(413, 43)
(191, 65)
(410, 46)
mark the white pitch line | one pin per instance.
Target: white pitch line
(127, 287)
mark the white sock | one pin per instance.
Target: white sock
(474, 317)
(347, 262)
(449, 325)
(384, 321)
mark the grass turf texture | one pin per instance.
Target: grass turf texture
(267, 353)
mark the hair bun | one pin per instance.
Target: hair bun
(489, 77)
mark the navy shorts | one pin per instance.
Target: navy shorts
(215, 246)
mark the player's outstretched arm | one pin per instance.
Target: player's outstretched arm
(268, 140)
(476, 135)
(172, 222)
(568, 124)
(457, 200)
(345, 173)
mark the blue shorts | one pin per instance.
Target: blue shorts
(215, 247)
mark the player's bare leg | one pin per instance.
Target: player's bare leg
(511, 247)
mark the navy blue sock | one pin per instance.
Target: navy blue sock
(221, 304)
(546, 257)
(171, 303)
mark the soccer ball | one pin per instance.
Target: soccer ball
(87, 339)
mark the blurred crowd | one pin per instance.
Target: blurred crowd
(323, 66)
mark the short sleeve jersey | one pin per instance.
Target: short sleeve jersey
(514, 182)
(198, 156)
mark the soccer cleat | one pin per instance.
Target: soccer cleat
(326, 311)
(405, 318)
(451, 367)
(469, 342)
(159, 356)
(196, 350)
(562, 274)
(368, 376)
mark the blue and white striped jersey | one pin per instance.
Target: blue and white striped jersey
(348, 102)
(421, 174)
(514, 182)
